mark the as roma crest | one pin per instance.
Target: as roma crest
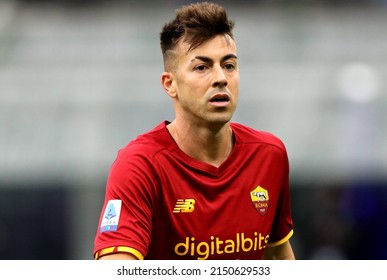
(260, 198)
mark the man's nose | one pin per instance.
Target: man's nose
(219, 78)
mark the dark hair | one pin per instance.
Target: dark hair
(195, 24)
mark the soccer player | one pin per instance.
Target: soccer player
(199, 186)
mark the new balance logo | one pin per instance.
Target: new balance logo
(184, 206)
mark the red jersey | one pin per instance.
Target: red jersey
(162, 204)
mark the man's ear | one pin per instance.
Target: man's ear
(168, 83)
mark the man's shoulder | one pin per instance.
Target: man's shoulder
(137, 156)
(248, 134)
(149, 142)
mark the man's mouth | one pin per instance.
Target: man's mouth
(219, 98)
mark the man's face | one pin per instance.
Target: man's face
(206, 81)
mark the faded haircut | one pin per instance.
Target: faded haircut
(194, 24)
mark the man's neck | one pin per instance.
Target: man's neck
(202, 143)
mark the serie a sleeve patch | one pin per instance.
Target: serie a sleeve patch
(111, 216)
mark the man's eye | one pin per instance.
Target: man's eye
(229, 66)
(200, 68)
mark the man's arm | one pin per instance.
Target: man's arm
(280, 252)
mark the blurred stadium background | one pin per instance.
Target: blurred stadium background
(79, 79)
